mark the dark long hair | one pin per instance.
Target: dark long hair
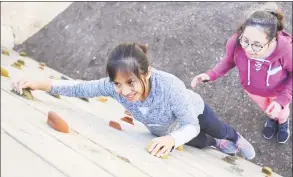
(128, 58)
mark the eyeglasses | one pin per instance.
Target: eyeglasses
(255, 47)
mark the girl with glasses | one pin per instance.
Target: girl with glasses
(262, 52)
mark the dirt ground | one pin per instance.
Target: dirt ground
(185, 39)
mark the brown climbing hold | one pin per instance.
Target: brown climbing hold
(267, 170)
(115, 125)
(56, 122)
(127, 113)
(16, 65)
(180, 148)
(23, 54)
(127, 119)
(5, 52)
(21, 62)
(102, 99)
(148, 147)
(41, 67)
(4, 72)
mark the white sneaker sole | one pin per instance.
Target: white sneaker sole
(283, 142)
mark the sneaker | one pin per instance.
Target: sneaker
(283, 132)
(226, 146)
(245, 148)
(269, 128)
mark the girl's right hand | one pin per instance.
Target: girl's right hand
(199, 78)
(22, 84)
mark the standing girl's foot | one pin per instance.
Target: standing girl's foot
(269, 128)
(283, 132)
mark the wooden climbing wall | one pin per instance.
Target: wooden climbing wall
(30, 147)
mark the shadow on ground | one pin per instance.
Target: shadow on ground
(185, 38)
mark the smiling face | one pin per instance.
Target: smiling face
(129, 69)
(255, 43)
(131, 87)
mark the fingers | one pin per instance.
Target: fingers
(199, 78)
(163, 151)
(155, 141)
(274, 112)
(19, 85)
(269, 108)
(158, 146)
(195, 81)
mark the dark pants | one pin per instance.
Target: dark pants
(211, 126)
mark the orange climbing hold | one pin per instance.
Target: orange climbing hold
(56, 122)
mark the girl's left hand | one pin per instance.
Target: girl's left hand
(274, 109)
(164, 142)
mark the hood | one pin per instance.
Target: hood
(284, 46)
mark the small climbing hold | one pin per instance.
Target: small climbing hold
(4, 72)
(127, 113)
(148, 147)
(23, 54)
(43, 64)
(21, 62)
(115, 125)
(54, 77)
(267, 170)
(102, 99)
(180, 148)
(5, 52)
(56, 122)
(127, 119)
(230, 159)
(56, 96)
(26, 93)
(16, 65)
(84, 99)
(64, 78)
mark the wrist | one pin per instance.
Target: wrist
(45, 85)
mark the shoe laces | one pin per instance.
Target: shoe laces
(223, 144)
(283, 127)
(240, 144)
(271, 123)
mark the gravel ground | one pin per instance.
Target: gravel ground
(185, 38)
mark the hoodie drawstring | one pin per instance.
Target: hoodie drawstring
(268, 75)
(248, 73)
(258, 67)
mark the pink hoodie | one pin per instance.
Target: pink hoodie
(271, 77)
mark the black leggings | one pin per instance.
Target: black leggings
(211, 127)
